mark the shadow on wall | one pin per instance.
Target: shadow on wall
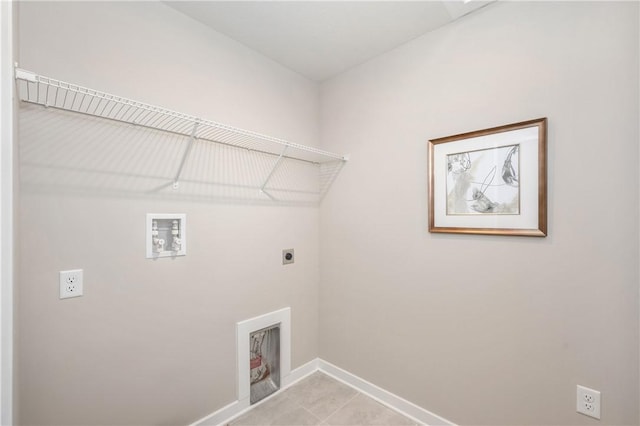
(66, 152)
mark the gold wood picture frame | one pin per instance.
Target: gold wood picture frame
(491, 181)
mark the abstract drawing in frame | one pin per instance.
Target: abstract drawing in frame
(491, 181)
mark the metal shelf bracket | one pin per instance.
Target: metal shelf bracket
(273, 169)
(192, 138)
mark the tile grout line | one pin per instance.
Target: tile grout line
(302, 406)
(342, 406)
(312, 415)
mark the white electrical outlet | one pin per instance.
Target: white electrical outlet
(588, 402)
(70, 283)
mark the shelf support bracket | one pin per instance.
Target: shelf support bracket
(192, 138)
(275, 166)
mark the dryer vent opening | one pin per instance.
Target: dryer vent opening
(264, 355)
(264, 362)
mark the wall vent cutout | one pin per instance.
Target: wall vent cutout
(264, 355)
(264, 363)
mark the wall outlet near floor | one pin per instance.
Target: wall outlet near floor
(588, 402)
(70, 283)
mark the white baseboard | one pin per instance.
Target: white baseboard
(221, 416)
(404, 407)
(384, 397)
(300, 373)
(237, 408)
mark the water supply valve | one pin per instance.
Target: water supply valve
(166, 235)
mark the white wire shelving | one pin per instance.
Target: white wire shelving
(52, 93)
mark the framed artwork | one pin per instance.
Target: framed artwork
(491, 181)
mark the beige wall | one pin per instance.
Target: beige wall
(486, 329)
(150, 342)
(480, 330)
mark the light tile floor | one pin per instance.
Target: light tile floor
(321, 400)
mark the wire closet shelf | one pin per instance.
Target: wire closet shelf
(52, 93)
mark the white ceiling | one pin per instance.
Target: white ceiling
(320, 39)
